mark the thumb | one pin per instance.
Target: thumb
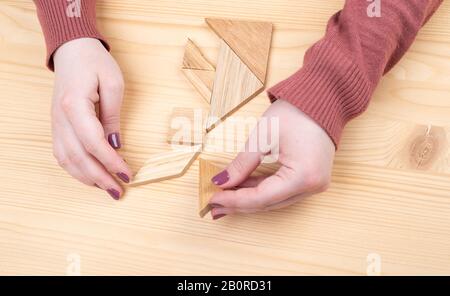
(238, 170)
(111, 95)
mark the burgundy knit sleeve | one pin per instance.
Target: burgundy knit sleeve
(341, 71)
(65, 20)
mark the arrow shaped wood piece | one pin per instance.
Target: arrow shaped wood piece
(166, 165)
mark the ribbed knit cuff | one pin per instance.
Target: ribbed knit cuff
(330, 88)
(63, 21)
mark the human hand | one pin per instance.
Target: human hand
(84, 145)
(306, 156)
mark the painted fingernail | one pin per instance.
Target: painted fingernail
(215, 205)
(114, 140)
(221, 178)
(124, 177)
(114, 193)
(217, 217)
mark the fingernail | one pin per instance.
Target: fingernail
(114, 140)
(124, 177)
(215, 205)
(217, 217)
(221, 178)
(114, 193)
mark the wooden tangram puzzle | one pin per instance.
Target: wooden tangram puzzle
(239, 76)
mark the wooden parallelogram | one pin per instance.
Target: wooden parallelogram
(166, 165)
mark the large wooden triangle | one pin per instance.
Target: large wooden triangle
(234, 85)
(249, 40)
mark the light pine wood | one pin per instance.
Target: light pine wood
(194, 59)
(378, 201)
(198, 70)
(234, 85)
(166, 165)
(416, 147)
(187, 126)
(202, 81)
(250, 40)
(207, 170)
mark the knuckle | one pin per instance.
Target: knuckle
(74, 158)
(92, 148)
(111, 119)
(93, 142)
(115, 85)
(238, 165)
(316, 180)
(62, 161)
(67, 104)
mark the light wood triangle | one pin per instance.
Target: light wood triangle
(249, 40)
(234, 85)
(206, 190)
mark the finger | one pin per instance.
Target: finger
(65, 158)
(99, 176)
(91, 134)
(217, 213)
(111, 95)
(288, 202)
(82, 162)
(67, 164)
(272, 189)
(252, 181)
(238, 170)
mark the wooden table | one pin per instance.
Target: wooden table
(390, 194)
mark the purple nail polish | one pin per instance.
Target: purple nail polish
(215, 205)
(123, 177)
(217, 217)
(221, 178)
(114, 193)
(114, 140)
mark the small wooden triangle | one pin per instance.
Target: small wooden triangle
(207, 189)
(249, 40)
(194, 58)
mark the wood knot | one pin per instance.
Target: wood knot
(426, 146)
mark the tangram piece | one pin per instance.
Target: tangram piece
(234, 85)
(166, 165)
(186, 126)
(249, 40)
(194, 59)
(207, 170)
(198, 70)
(202, 81)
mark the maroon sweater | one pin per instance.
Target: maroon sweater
(340, 71)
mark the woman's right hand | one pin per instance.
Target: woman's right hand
(84, 145)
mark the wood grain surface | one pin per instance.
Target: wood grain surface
(390, 191)
(250, 41)
(234, 85)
